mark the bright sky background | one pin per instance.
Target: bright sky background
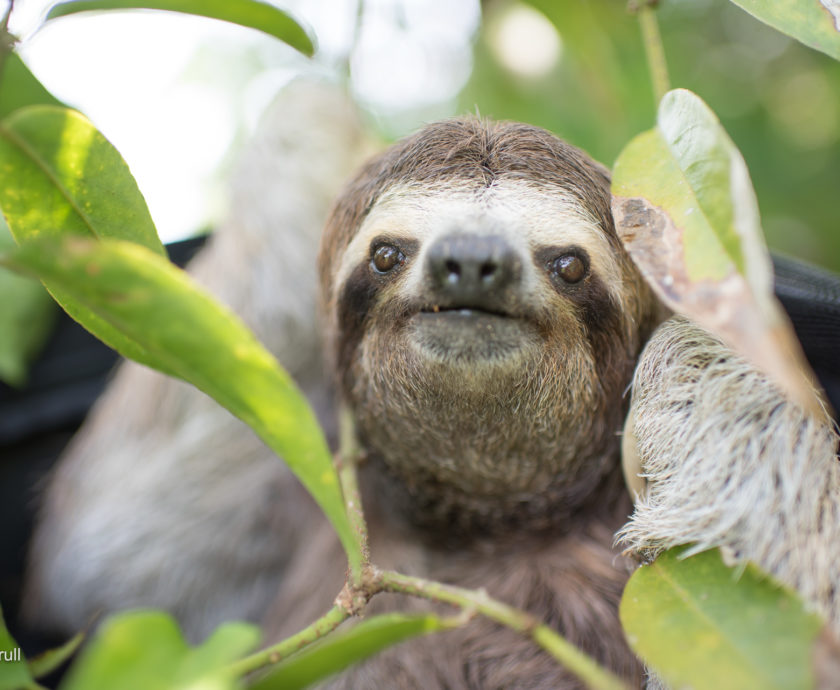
(175, 94)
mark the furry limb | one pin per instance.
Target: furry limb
(730, 463)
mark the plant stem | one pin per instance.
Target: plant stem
(349, 455)
(7, 40)
(4, 22)
(271, 655)
(654, 52)
(584, 667)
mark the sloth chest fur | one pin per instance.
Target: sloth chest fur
(571, 581)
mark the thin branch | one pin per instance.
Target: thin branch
(4, 22)
(345, 66)
(349, 455)
(365, 581)
(7, 40)
(654, 51)
(271, 655)
(583, 666)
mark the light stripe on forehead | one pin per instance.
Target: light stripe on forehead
(530, 215)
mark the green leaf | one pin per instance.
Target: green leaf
(342, 649)
(145, 650)
(19, 87)
(185, 332)
(14, 674)
(250, 13)
(816, 23)
(686, 211)
(59, 175)
(49, 661)
(701, 624)
(685, 166)
(26, 319)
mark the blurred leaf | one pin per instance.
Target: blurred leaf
(13, 674)
(26, 319)
(19, 87)
(185, 332)
(342, 649)
(49, 661)
(596, 95)
(249, 13)
(816, 23)
(701, 624)
(144, 650)
(686, 211)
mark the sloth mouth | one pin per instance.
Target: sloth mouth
(465, 312)
(461, 335)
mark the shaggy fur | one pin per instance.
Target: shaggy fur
(573, 583)
(730, 463)
(493, 450)
(521, 446)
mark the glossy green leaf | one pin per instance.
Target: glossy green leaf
(49, 661)
(250, 13)
(342, 649)
(701, 624)
(816, 23)
(14, 673)
(19, 87)
(59, 175)
(145, 650)
(685, 209)
(28, 312)
(185, 332)
(26, 319)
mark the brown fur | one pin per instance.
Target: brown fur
(550, 435)
(467, 149)
(507, 480)
(573, 583)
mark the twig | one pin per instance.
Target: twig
(4, 23)
(584, 667)
(349, 455)
(271, 655)
(654, 51)
(7, 40)
(365, 581)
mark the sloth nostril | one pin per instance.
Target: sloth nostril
(487, 271)
(453, 270)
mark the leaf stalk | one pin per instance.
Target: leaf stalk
(654, 50)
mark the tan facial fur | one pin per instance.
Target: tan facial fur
(500, 411)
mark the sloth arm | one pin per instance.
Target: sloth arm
(730, 463)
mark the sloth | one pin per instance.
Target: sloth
(482, 323)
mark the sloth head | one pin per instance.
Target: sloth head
(483, 323)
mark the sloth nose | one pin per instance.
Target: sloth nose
(472, 270)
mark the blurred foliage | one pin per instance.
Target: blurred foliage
(777, 99)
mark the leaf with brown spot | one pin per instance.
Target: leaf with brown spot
(686, 211)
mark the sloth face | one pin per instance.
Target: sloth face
(484, 322)
(472, 280)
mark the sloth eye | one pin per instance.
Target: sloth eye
(568, 267)
(386, 257)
